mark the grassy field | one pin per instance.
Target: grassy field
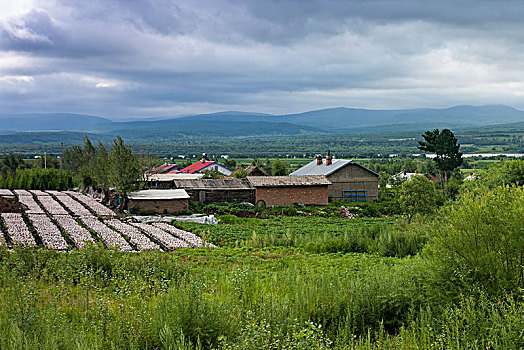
(284, 282)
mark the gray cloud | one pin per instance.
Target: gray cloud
(148, 58)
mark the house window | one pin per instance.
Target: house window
(355, 196)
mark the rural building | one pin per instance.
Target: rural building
(217, 190)
(253, 170)
(285, 190)
(405, 176)
(203, 165)
(165, 168)
(350, 181)
(165, 181)
(160, 201)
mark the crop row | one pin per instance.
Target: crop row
(17, 229)
(52, 206)
(162, 236)
(22, 193)
(98, 208)
(48, 232)
(189, 237)
(33, 207)
(109, 237)
(79, 235)
(74, 206)
(5, 192)
(39, 193)
(141, 241)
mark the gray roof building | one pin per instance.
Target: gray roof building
(312, 168)
(350, 181)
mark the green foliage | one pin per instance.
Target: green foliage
(229, 163)
(505, 173)
(259, 335)
(417, 196)
(95, 166)
(45, 161)
(478, 245)
(208, 174)
(10, 163)
(89, 163)
(124, 168)
(279, 168)
(444, 145)
(240, 173)
(38, 179)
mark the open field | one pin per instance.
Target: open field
(293, 282)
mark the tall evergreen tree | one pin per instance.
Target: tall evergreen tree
(447, 152)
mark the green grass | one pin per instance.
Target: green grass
(453, 281)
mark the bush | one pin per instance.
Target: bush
(479, 245)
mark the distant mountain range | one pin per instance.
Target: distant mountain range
(46, 127)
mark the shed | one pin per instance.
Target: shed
(285, 190)
(350, 181)
(218, 190)
(165, 181)
(160, 201)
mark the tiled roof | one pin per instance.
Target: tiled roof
(210, 184)
(277, 181)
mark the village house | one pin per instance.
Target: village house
(253, 170)
(286, 190)
(165, 181)
(217, 190)
(349, 181)
(159, 201)
(206, 165)
(166, 168)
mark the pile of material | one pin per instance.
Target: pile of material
(345, 213)
(10, 205)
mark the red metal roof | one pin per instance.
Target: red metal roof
(193, 168)
(164, 168)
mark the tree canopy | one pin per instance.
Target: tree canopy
(417, 196)
(447, 152)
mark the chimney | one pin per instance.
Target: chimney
(329, 159)
(416, 172)
(404, 172)
(319, 159)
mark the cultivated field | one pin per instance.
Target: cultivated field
(64, 220)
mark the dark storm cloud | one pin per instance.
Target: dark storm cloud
(133, 58)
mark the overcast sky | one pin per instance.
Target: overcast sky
(153, 58)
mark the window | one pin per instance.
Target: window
(355, 196)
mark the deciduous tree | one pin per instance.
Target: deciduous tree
(417, 196)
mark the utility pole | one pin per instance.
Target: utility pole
(45, 160)
(61, 153)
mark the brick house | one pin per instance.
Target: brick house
(217, 190)
(159, 201)
(286, 190)
(350, 181)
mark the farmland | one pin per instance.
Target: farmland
(65, 220)
(288, 280)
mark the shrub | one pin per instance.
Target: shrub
(479, 244)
